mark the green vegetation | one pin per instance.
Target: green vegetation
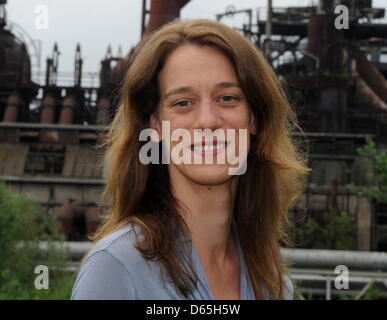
(333, 229)
(373, 293)
(328, 230)
(23, 222)
(377, 180)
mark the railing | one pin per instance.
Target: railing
(320, 283)
(67, 79)
(262, 12)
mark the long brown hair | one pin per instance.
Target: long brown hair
(141, 194)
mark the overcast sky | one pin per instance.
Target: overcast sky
(97, 23)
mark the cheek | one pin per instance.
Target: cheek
(176, 121)
(239, 118)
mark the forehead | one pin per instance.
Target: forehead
(192, 65)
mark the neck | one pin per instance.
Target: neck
(208, 213)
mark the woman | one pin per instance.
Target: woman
(183, 230)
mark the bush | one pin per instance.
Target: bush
(377, 179)
(22, 226)
(373, 293)
(329, 230)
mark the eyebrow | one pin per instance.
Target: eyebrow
(221, 85)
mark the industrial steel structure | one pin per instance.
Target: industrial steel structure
(336, 79)
(49, 127)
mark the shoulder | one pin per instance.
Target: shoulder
(107, 271)
(115, 270)
(120, 245)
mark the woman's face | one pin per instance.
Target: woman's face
(200, 90)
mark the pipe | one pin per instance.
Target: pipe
(47, 115)
(162, 12)
(66, 217)
(367, 95)
(68, 110)
(14, 102)
(313, 258)
(70, 215)
(322, 34)
(331, 258)
(372, 76)
(48, 109)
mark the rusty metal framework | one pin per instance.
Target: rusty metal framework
(336, 83)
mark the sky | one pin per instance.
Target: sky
(96, 23)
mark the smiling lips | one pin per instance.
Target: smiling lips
(209, 148)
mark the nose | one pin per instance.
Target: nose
(208, 116)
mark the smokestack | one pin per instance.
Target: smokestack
(162, 12)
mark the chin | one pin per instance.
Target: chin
(206, 174)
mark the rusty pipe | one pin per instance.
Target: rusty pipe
(48, 116)
(14, 103)
(366, 94)
(68, 110)
(372, 76)
(48, 109)
(70, 214)
(162, 12)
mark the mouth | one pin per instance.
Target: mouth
(206, 148)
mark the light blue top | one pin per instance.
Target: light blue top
(115, 270)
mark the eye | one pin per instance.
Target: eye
(229, 98)
(182, 104)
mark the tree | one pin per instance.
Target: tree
(377, 179)
(23, 226)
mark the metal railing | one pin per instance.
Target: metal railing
(319, 283)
